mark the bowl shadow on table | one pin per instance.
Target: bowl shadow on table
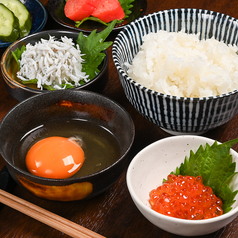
(7, 183)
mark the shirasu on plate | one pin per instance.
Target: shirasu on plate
(53, 63)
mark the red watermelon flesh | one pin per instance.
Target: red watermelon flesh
(109, 10)
(77, 10)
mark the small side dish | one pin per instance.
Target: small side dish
(187, 156)
(53, 64)
(38, 15)
(16, 20)
(135, 10)
(102, 11)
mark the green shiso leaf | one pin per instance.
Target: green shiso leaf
(214, 164)
(78, 23)
(126, 6)
(91, 47)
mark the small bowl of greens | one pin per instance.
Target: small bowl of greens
(133, 9)
(56, 60)
(187, 155)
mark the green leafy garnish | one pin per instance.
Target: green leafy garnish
(17, 54)
(126, 6)
(214, 164)
(78, 23)
(92, 46)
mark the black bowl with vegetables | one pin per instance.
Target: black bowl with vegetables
(94, 63)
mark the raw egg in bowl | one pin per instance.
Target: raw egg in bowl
(66, 145)
(55, 157)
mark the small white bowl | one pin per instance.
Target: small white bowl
(155, 162)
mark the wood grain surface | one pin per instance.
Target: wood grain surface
(113, 213)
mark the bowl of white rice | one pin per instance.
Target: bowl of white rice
(179, 68)
(52, 60)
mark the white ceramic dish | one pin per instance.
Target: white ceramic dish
(155, 162)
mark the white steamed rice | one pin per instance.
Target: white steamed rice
(179, 64)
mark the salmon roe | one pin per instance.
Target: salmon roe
(185, 197)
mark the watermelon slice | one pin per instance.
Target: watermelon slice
(109, 10)
(77, 10)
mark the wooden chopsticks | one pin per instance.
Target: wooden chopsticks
(59, 223)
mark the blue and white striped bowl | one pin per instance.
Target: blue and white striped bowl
(176, 115)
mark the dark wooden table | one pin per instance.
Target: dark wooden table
(113, 214)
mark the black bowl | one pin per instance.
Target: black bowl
(9, 66)
(65, 105)
(56, 10)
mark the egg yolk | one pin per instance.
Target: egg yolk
(55, 157)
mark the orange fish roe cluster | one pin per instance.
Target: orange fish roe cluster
(185, 197)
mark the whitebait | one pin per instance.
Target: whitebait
(53, 63)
